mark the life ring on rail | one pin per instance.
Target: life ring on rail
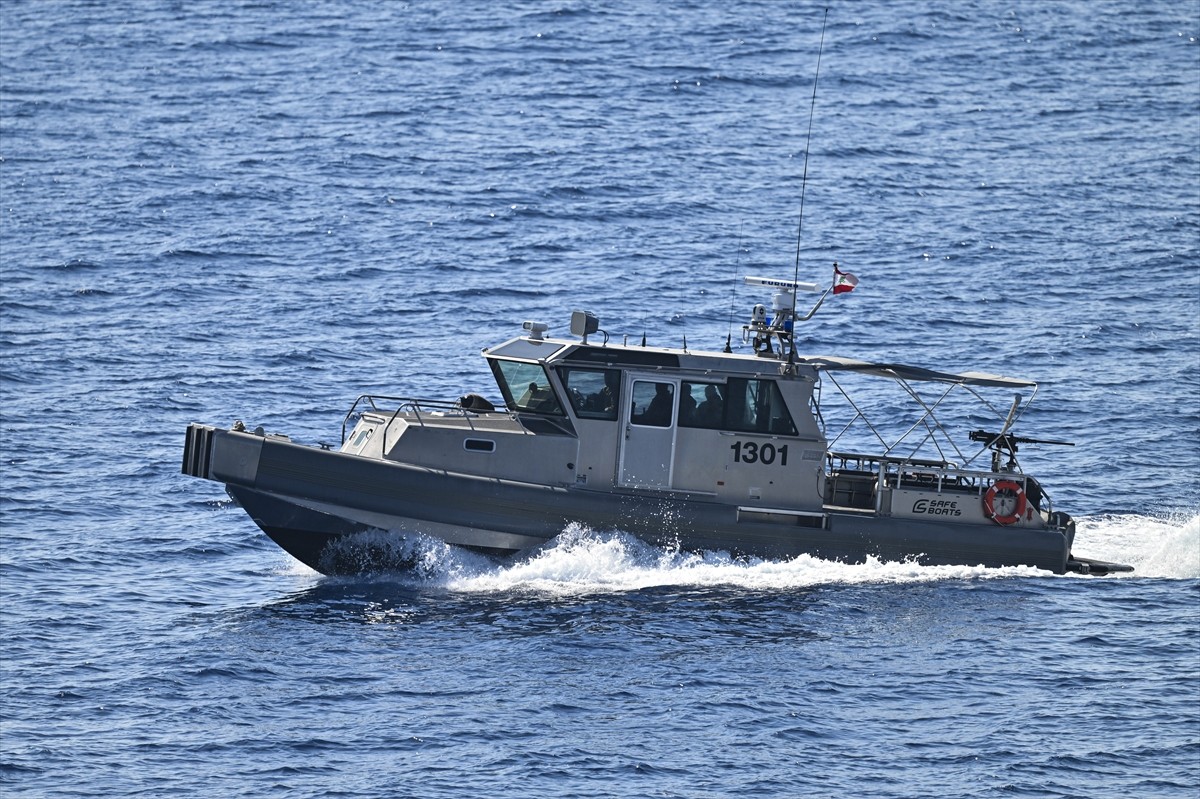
(1004, 502)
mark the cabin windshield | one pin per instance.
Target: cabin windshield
(525, 387)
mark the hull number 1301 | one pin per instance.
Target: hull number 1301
(753, 452)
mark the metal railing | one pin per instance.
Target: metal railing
(413, 407)
(895, 473)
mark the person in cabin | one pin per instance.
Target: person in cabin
(658, 413)
(709, 412)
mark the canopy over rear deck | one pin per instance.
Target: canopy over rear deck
(897, 371)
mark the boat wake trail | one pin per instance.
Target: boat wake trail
(1156, 547)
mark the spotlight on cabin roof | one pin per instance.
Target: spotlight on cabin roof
(536, 329)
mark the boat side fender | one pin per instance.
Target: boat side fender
(235, 458)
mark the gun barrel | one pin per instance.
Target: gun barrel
(1008, 440)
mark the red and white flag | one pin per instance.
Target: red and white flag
(843, 282)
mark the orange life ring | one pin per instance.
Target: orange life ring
(1010, 491)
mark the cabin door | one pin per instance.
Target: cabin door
(648, 428)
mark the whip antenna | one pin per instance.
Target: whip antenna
(804, 177)
(733, 294)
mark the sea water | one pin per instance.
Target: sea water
(213, 211)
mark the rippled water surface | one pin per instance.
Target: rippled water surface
(214, 210)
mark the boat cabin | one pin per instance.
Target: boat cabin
(728, 426)
(648, 418)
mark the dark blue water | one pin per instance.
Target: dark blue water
(213, 211)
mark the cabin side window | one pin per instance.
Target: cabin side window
(701, 405)
(593, 393)
(653, 403)
(741, 405)
(526, 387)
(757, 406)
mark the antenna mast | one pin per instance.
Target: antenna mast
(804, 177)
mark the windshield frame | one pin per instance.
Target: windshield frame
(536, 390)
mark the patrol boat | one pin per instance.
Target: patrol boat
(716, 451)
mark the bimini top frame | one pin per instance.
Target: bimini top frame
(928, 429)
(897, 371)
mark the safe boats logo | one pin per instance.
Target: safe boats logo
(937, 507)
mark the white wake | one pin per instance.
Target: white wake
(1155, 547)
(582, 561)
